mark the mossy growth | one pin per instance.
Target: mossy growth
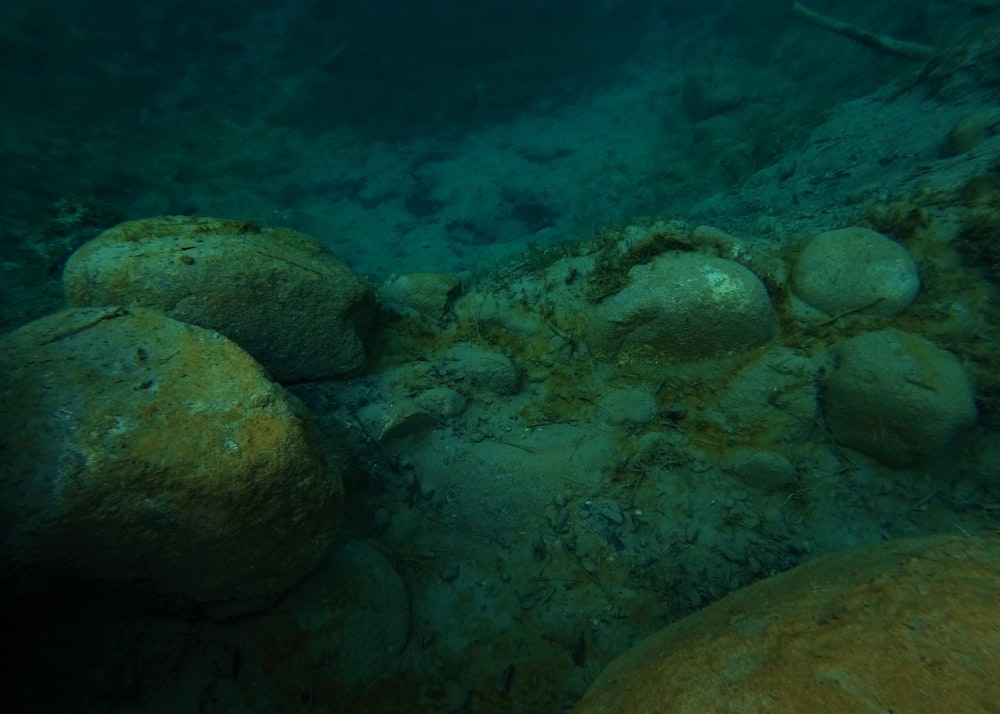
(614, 257)
(902, 219)
(979, 238)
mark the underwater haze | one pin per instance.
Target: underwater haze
(380, 356)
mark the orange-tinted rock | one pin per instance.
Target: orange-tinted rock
(908, 626)
(280, 296)
(146, 452)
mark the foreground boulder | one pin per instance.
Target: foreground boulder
(282, 297)
(908, 626)
(149, 453)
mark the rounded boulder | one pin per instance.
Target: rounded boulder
(896, 397)
(856, 270)
(152, 454)
(682, 306)
(284, 298)
(906, 626)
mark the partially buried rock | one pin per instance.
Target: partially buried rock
(480, 368)
(907, 626)
(148, 453)
(351, 619)
(424, 294)
(856, 270)
(282, 297)
(896, 397)
(682, 306)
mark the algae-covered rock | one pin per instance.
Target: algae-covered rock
(907, 626)
(425, 294)
(480, 368)
(856, 269)
(282, 297)
(142, 451)
(682, 306)
(896, 397)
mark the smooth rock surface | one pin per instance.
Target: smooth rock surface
(281, 296)
(682, 306)
(896, 397)
(150, 453)
(907, 626)
(856, 269)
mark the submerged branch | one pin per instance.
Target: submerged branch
(883, 43)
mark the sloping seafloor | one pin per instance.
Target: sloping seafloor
(498, 558)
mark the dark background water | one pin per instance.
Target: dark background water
(96, 94)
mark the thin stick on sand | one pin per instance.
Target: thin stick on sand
(882, 43)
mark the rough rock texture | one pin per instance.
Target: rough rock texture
(470, 365)
(908, 626)
(682, 306)
(148, 452)
(856, 269)
(896, 397)
(282, 297)
(426, 294)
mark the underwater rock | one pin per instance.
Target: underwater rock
(967, 133)
(710, 91)
(766, 470)
(353, 614)
(627, 406)
(426, 294)
(401, 420)
(442, 402)
(481, 367)
(908, 625)
(682, 306)
(856, 269)
(149, 453)
(896, 397)
(282, 297)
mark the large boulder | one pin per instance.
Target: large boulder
(856, 269)
(907, 626)
(896, 397)
(282, 297)
(682, 306)
(149, 453)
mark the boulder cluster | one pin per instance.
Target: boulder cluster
(147, 445)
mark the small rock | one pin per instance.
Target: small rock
(426, 294)
(682, 306)
(856, 269)
(766, 470)
(442, 402)
(482, 367)
(896, 397)
(710, 91)
(627, 406)
(404, 420)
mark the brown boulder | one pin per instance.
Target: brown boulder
(907, 626)
(150, 453)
